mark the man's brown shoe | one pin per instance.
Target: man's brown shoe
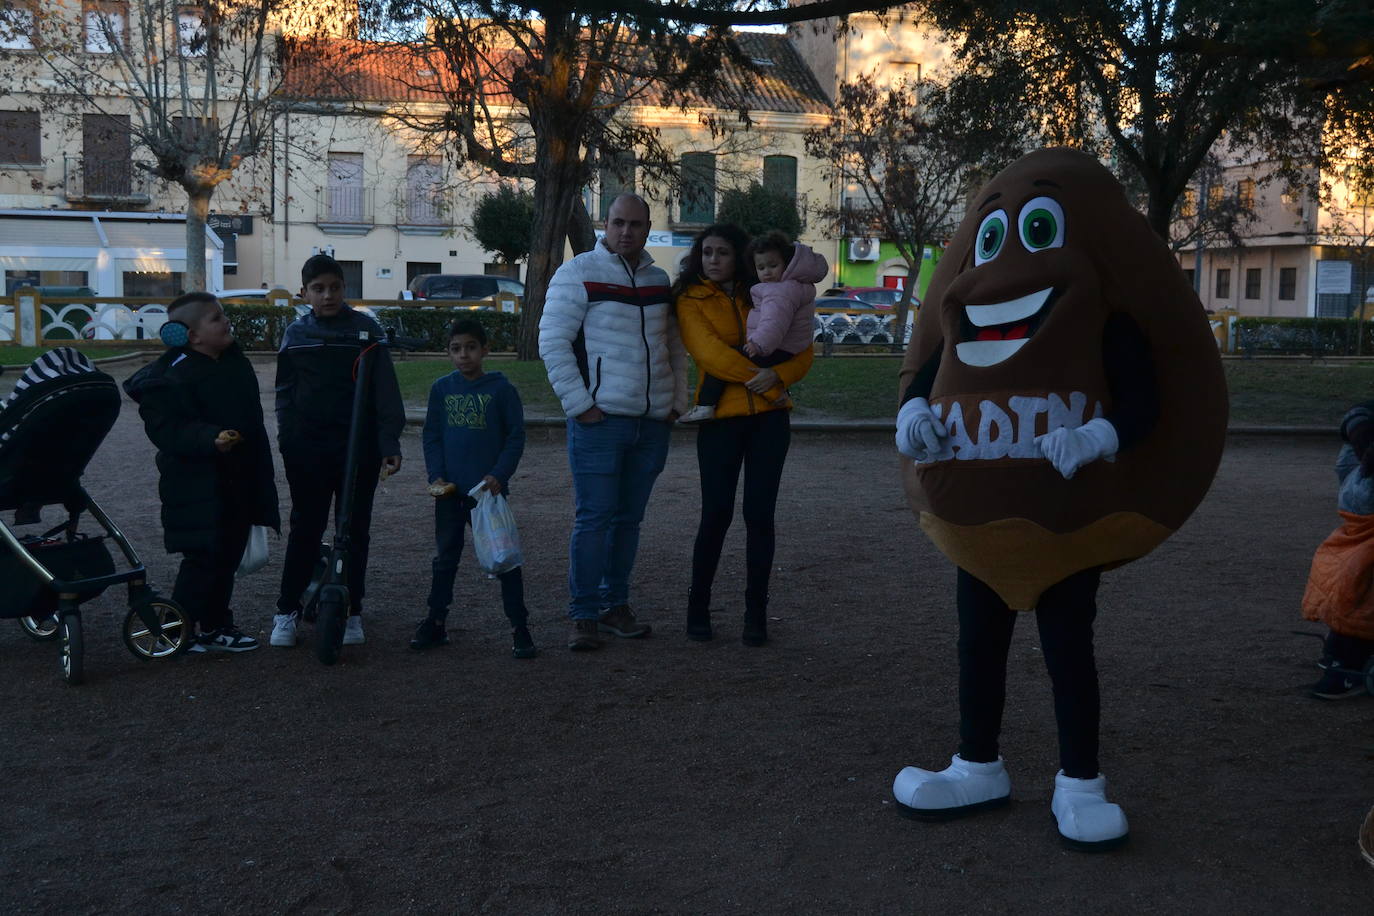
(620, 621)
(584, 637)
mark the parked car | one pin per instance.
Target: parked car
(845, 302)
(884, 297)
(238, 294)
(460, 286)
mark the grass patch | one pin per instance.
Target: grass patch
(1263, 392)
(417, 374)
(22, 356)
(1295, 393)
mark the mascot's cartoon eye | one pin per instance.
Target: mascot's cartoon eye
(1042, 224)
(992, 232)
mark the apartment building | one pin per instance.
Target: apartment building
(1303, 255)
(339, 174)
(891, 48)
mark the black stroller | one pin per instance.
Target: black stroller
(59, 413)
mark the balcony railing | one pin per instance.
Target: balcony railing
(344, 209)
(423, 211)
(104, 181)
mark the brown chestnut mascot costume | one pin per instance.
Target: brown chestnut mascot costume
(1064, 410)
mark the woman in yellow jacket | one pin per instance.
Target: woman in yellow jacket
(712, 301)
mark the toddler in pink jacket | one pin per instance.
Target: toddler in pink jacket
(780, 325)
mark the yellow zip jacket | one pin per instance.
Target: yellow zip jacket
(712, 324)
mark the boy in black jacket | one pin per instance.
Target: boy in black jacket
(200, 406)
(314, 408)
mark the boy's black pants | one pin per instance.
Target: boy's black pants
(315, 485)
(205, 581)
(1065, 615)
(451, 516)
(712, 388)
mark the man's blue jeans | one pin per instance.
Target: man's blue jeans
(614, 465)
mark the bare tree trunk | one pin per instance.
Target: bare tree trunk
(557, 184)
(581, 232)
(913, 277)
(1159, 211)
(197, 211)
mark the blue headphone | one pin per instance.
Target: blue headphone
(175, 333)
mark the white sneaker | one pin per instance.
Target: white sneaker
(284, 630)
(1087, 821)
(961, 788)
(353, 632)
(698, 414)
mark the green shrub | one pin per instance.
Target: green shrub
(260, 327)
(503, 328)
(1315, 336)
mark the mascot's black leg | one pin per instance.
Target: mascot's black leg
(976, 778)
(985, 629)
(1065, 615)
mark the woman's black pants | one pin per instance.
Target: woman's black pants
(758, 444)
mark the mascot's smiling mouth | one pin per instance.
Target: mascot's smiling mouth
(993, 332)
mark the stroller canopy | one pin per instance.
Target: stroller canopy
(60, 411)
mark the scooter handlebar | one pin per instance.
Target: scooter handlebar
(363, 336)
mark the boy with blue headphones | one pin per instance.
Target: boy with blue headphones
(201, 407)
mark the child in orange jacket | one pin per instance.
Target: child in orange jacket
(1339, 592)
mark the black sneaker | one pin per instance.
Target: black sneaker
(1337, 684)
(429, 633)
(522, 643)
(620, 621)
(194, 644)
(228, 639)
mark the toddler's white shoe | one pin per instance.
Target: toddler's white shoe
(283, 630)
(353, 632)
(698, 414)
(1087, 821)
(959, 789)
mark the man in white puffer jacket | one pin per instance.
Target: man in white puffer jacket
(610, 343)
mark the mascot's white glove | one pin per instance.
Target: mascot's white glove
(920, 434)
(1070, 449)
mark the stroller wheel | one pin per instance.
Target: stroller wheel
(329, 623)
(156, 630)
(39, 628)
(73, 652)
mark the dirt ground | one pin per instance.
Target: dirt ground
(662, 776)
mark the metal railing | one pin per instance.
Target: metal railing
(125, 319)
(423, 207)
(109, 181)
(343, 206)
(832, 326)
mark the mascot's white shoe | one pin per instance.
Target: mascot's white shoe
(959, 789)
(1087, 821)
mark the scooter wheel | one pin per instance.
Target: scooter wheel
(329, 629)
(39, 628)
(167, 638)
(73, 650)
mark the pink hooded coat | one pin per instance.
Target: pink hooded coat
(782, 317)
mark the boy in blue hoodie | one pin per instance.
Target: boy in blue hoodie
(474, 433)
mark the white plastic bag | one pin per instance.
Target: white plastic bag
(495, 539)
(255, 554)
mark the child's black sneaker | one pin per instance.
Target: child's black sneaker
(523, 646)
(228, 639)
(429, 633)
(1337, 684)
